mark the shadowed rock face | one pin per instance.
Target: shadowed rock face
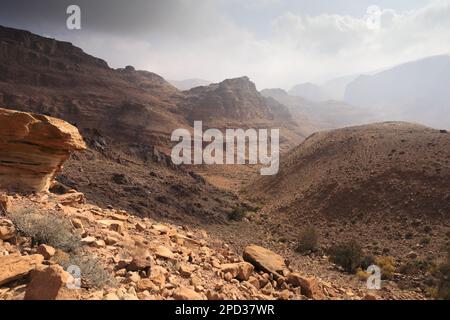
(33, 149)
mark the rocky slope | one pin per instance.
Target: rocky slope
(385, 185)
(138, 259)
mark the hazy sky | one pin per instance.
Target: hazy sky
(277, 43)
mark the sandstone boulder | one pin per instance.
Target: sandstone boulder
(33, 149)
(265, 260)
(49, 284)
(15, 267)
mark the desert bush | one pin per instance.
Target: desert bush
(387, 267)
(413, 267)
(92, 274)
(237, 214)
(442, 290)
(309, 240)
(362, 275)
(348, 255)
(46, 229)
(367, 261)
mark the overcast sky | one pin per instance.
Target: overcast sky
(277, 43)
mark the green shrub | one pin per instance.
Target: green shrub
(309, 240)
(348, 255)
(237, 214)
(46, 229)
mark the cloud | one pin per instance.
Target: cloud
(199, 39)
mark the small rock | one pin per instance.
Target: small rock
(165, 253)
(5, 203)
(47, 251)
(7, 229)
(241, 271)
(14, 267)
(140, 227)
(309, 286)
(146, 284)
(183, 293)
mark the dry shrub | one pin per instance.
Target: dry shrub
(386, 264)
(309, 240)
(348, 255)
(57, 232)
(46, 229)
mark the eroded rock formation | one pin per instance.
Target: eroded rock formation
(33, 149)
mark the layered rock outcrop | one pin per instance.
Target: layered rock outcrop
(33, 149)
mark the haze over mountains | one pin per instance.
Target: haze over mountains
(415, 91)
(189, 83)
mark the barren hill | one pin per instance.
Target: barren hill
(392, 166)
(381, 183)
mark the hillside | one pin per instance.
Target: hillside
(386, 185)
(126, 118)
(56, 245)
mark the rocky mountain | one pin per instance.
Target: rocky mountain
(414, 91)
(315, 116)
(188, 84)
(126, 118)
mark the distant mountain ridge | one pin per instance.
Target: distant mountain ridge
(316, 116)
(415, 91)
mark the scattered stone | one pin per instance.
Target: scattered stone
(5, 203)
(113, 225)
(165, 253)
(88, 240)
(7, 229)
(47, 251)
(14, 267)
(242, 271)
(50, 284)
(265, 260)
(309, 286)
(140, 227)
(139, 264)
(183, 293)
